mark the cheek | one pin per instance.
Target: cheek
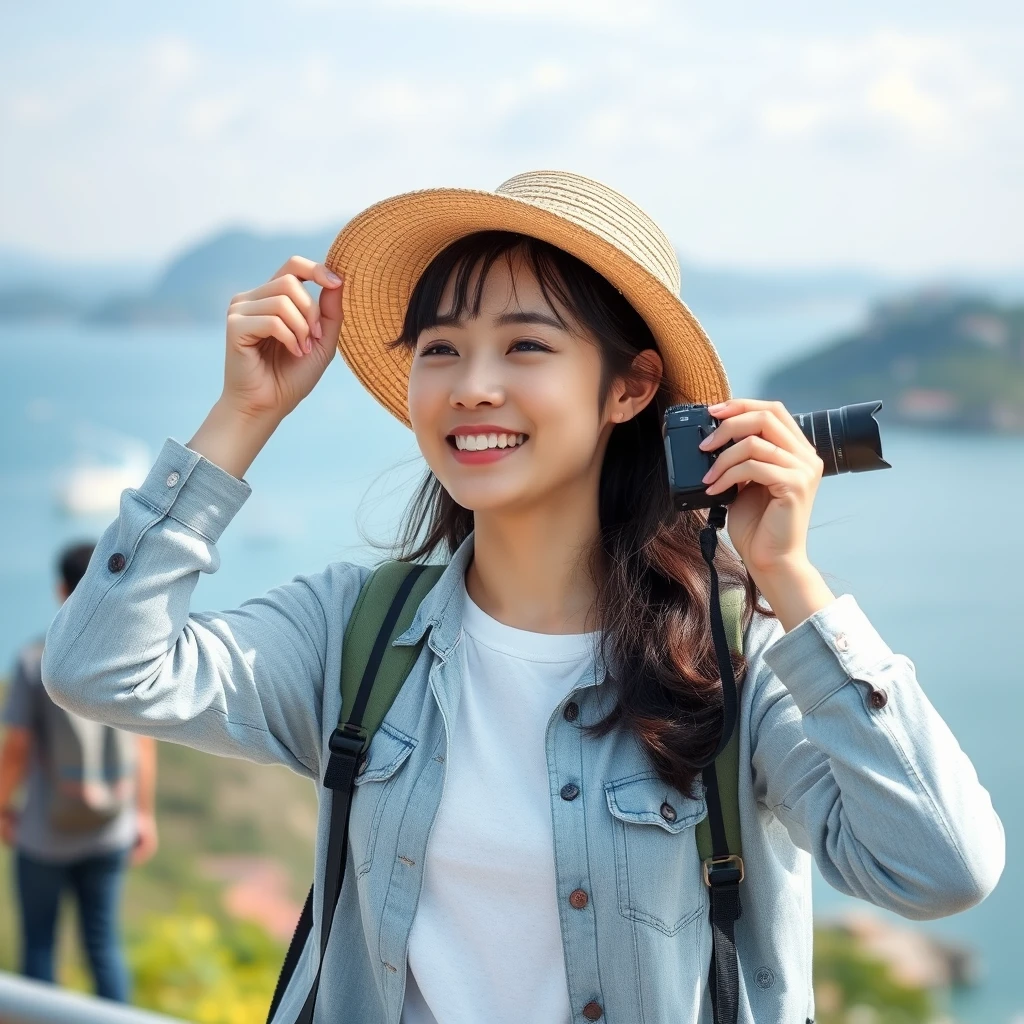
(423, 400)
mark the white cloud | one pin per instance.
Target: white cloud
(173, 61)
(895, 94)
(930, 90)
(747, 147)
(206, 117)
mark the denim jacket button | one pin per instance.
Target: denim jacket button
(570, 791)
(116, 562)
(879, 698)
(172, 478)
(578, 898)
(571, 712)
(668, 812)
(593, 1011)
(842, 644)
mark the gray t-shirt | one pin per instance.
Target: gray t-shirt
(35, 835)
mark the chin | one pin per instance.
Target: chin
(485, 499)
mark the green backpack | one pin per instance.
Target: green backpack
(372, 673)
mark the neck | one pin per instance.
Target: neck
(531, 570)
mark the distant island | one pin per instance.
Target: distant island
(936, 358)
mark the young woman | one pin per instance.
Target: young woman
(522, 834)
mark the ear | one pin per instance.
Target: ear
(631, 394)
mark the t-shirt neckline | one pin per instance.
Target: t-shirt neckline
(523, 643)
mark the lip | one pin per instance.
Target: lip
(488, 454)
(481, 428)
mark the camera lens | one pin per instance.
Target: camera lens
(846, 439)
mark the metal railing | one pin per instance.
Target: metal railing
(23, 1001)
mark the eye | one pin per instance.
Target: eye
(537, 346)
(438, 348)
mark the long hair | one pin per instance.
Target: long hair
(654, 590)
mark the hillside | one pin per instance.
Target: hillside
(939, 359)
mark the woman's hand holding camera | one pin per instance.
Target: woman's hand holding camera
(777, 471)
(279, 342)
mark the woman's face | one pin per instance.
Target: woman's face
(505, 404)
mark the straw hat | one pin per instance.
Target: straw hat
(383, 251)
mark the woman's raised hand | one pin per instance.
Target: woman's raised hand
(280, 340)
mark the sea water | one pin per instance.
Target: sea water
(932, 549)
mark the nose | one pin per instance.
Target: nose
(476, 386)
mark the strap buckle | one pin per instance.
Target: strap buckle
(347, 739)
(723, 870)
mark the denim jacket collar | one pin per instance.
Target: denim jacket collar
(441, 610)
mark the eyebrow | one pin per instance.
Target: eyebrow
(522, 316)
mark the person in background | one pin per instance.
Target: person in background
(88, 810)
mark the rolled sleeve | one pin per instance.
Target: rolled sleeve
(828, 650)
(193, 491)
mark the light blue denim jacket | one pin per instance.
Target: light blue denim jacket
(882, 798)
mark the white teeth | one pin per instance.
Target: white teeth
(481, 442)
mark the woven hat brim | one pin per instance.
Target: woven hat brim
(384, 250)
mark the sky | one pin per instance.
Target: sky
(884, 135)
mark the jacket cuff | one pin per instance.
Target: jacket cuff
(826, 651)
(195, 492)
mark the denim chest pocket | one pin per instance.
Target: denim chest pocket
(374, 785)
(658, 874)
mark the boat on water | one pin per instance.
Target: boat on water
(93, 486)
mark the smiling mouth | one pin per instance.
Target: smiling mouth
(486, 442)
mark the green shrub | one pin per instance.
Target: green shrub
(191, 965)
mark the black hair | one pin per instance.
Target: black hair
(72, 563)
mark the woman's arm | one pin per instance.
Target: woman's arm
(852, 758)
(126, 649)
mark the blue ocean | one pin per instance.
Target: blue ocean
(929, 548)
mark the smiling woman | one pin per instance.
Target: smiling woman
(523, 824)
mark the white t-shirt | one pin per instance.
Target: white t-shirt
(486, 943)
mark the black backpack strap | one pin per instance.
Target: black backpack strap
(723, 870)
(388, 601)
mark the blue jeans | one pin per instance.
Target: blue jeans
(96, 882)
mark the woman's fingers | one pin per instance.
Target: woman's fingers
(742, 455)
(762, 421)
(307, 270)
(280, 306)
(291, 287)
(250, 330)
(766, 473)
(739, 407)
(331, 315)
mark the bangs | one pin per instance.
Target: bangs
(484, 249)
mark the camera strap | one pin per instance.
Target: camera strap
(723, 870)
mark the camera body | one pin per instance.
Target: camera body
(846, 440)
(684, 427)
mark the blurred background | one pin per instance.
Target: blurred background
(843, 187)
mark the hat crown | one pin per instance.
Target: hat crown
(599, 209)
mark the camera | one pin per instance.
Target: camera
(846, 439)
